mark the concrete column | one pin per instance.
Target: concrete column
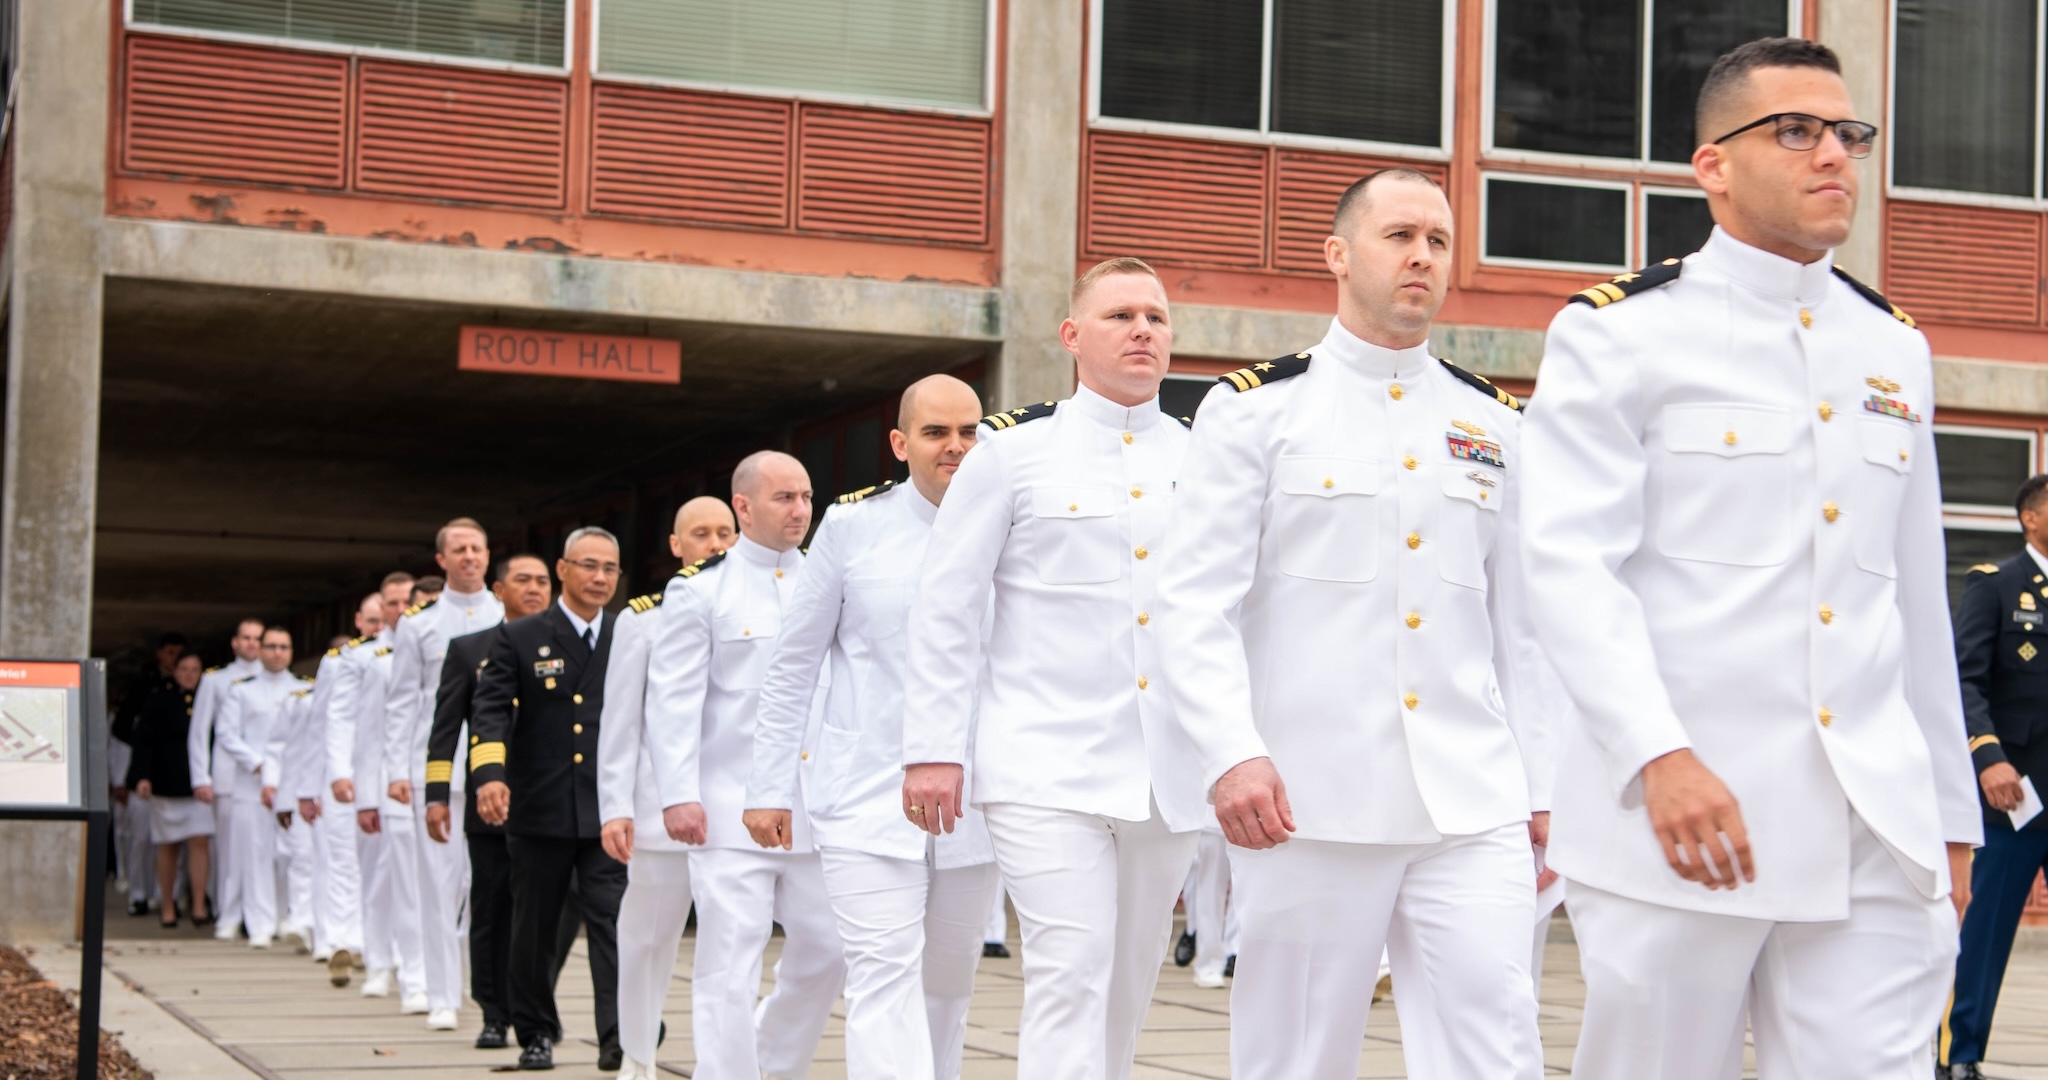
(1858, 32)
(1041, 190)
(59, 132)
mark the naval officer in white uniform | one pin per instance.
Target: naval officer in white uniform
(1342, 622)
(910, 906)
(719, 622)
(1732, 525)
(356, 716)
(251, 709)
(656, 905)
(1092, 793)
(206, 759)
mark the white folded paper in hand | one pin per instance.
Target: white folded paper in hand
(2030, 804)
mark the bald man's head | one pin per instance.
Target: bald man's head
(935, 428)
(704, 527)
(771, 496)
(370, 615)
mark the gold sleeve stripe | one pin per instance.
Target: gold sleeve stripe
(440, 772)
(490, 753)
(999, 421)
(1981, 741)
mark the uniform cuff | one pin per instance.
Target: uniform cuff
(486, 763)
(1985, 752)
(437, 792)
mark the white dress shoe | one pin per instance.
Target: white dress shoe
(259, 943)
(1209, 980)
(441, 1020)
(412, 1005)
(378, 984)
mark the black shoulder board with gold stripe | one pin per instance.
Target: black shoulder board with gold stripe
(353, 642)
(1270, 371)
(1011, 419)
(211, 670)
(701, 565)
(1627, 285)
(245, 678)
(1479, 383)
(1984, 568)
(336, 651)
(417, 608)
(856, 496)
(1187, 422)
(641, 605)
(1875, 297)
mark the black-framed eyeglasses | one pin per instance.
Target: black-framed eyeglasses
(1798, 131)
(592, 566)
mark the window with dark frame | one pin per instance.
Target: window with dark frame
(1981, 471)
(1365, 70)
(508, 31)
(1963, 99)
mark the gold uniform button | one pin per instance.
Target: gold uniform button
(1143, 682)
(1827, 412)
(1408, 463)
(1127, 438)
(579, 759)
(1902, 455)
(1414, 620)
(1143, 618)
(1827, 615)
(1329, 481)
(1141, 553)
(577, 698)
(1826, 717)
(1414, 541)
(778, 571)
(1830, 511)
(1410, 700)
(1394, 391)
(806, 755)
(744, 632)
(1137, 493)
(475, 739)
(1071, 507)
(1806, 318)
(576, 728)
(1729, 438)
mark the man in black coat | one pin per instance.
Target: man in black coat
(523, 586)
(533, 766)
(2002, 657)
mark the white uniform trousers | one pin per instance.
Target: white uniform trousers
(913, 936)
(442, 873)
(738, 894)
(652, 915)
(380, 945)
(254, 881)
(1094, 899)
(136, 854)
(295, 852)
(1206, 900)
(226, 863)
(338, 881)
(1857, 998)
(1454, 916)
(402, 837)
(998, 928)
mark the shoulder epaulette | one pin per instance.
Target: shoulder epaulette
(1011, 419)
(354, 642)
(1984, 568)
(701, 565)
(1187, 422)
(1269, 371)
(210, 670)
(855, 496)
(1479, 383)
(1875, 297)
(336, 651)
(243, 679)
(304, 692)
(419, 607)
(1627, 285)
(385, 651)
(644, 604)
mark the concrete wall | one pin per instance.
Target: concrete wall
(1859, 32)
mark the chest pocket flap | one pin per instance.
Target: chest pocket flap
(744, 628)
(1726, 430)
(1072, 501)
(1472, 484)
(1327, 477)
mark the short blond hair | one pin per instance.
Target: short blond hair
(441, 536)
(1122, 264)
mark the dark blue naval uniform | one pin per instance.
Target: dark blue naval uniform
(2002, 651)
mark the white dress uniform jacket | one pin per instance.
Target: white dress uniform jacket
(356, 719)
(1369, 648)
(419, 643)
(202, 751)
(625, 761)
(1732, 525)
(851, 610)
(1071, 716)
(719, 623)
(254, 708)
(295, 761)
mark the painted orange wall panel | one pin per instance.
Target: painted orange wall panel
(201, 108)
(718, 159)
(553, 233)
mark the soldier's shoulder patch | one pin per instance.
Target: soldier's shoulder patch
(245, 678)
(1876, 298)
(1984, 568)
(1623, 286)
(701, 565)
(1266, 371)
(355, 643)
(211, 670)
(1479, 383)
(1024, 415)
(641, 605)
(422, 606)
(852, 497)
(336, 651)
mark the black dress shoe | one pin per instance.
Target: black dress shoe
(1961, 1070)
(661, 1034)
(539, 1054)
(1184, 949)
(492, 1037)
(138, 907)
(995, 950)
(610, 1057)
(1230, 966)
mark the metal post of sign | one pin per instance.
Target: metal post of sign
(92, 943)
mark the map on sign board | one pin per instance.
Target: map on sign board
(39, 733)
(32, 725)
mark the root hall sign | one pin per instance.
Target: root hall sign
(578, 356)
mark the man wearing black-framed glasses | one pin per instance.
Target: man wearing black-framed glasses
(1732, 527)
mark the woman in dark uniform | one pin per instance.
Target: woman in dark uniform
(161, 773)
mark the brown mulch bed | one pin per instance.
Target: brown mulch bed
(39, 1029)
